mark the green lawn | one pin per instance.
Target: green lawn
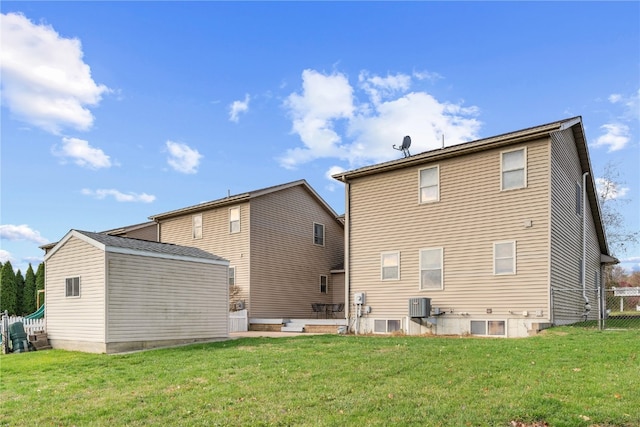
(564, 377)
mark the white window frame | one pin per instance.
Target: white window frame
(75, 287)
(437, 185)
(396, 254)
(376, 322)
(234, 223)
(487, 329)
(523, 168)
(196, 226)
(420, 285)
(318, 240)
(513, 257)
(231, 276)
(325, 284)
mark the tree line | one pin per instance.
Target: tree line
(18, 293)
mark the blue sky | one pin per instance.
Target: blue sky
(115, 111)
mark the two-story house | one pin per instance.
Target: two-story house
(499, 237)
(284, 244)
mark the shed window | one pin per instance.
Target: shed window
(324, 287)
(504, 258)
(318, 234)
(234, 220)
(197, 226)
(430, 184)
(514, 169)
(390, 265)
(72, 287)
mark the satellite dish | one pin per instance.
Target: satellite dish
(406, 143)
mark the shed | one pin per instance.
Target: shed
(109, 294)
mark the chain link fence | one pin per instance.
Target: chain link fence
(615, 308)
(621, 308)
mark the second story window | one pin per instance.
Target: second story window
(318, 234)
(196, 222)
(430, 184)
(514, 169)
(234, 220)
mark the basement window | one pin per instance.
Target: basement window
(72, 287)
(488, 327)
(385, 326)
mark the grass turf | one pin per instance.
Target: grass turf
(564, 377)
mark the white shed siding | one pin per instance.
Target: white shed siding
(76, 319)
(161, 299)
(216, 239)
(285, 263)
(566, 235)
(471, 215)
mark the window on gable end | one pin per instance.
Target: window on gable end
(196, 222)
(318, 234)
(430, 184)
(72, 287)
(234, 220)
(514, 169)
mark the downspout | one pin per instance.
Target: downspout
(347, 240)
(587, 306)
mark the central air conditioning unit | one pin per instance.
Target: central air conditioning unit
(419, 307)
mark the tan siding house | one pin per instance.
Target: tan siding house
(488, 231)
(107, 294)
(279, 242)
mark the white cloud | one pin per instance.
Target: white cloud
(328, 110)
(238, 107)
(119, 196)
(83, 154)
(5, 256)
(182, 158)
(21, 232)
(45, 81)
(609, 190)
(615, 136)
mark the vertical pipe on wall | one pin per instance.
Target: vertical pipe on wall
(584, 242)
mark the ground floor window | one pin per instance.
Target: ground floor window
(386, 325)
(323, 284)
(488, 327)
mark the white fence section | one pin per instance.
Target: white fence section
(31, 326)
(238, 321)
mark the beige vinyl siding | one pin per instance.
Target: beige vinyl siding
(216, 239)
(566, 235)
(162, 299)
(471, 215)
(76, 319)
(285, 263)
(336, 287)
